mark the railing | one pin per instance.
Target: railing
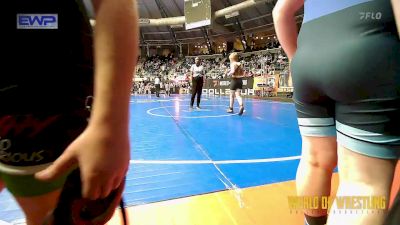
(242, 54)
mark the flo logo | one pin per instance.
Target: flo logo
(37, 21)
(370, 15)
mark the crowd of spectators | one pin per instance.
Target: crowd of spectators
(255, 64)
(174, 71)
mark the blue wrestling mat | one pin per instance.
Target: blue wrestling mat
(177, 152)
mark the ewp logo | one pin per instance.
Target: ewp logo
(37, 21)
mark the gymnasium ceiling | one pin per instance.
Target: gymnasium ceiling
(254, 20)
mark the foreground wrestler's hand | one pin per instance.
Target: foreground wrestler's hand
(102, 153)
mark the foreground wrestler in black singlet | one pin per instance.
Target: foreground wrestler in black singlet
(44, 133)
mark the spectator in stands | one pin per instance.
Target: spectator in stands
(284, 78)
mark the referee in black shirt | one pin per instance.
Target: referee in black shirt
(197, 77)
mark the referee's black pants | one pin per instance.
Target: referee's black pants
(158, 87)
(197, 87)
